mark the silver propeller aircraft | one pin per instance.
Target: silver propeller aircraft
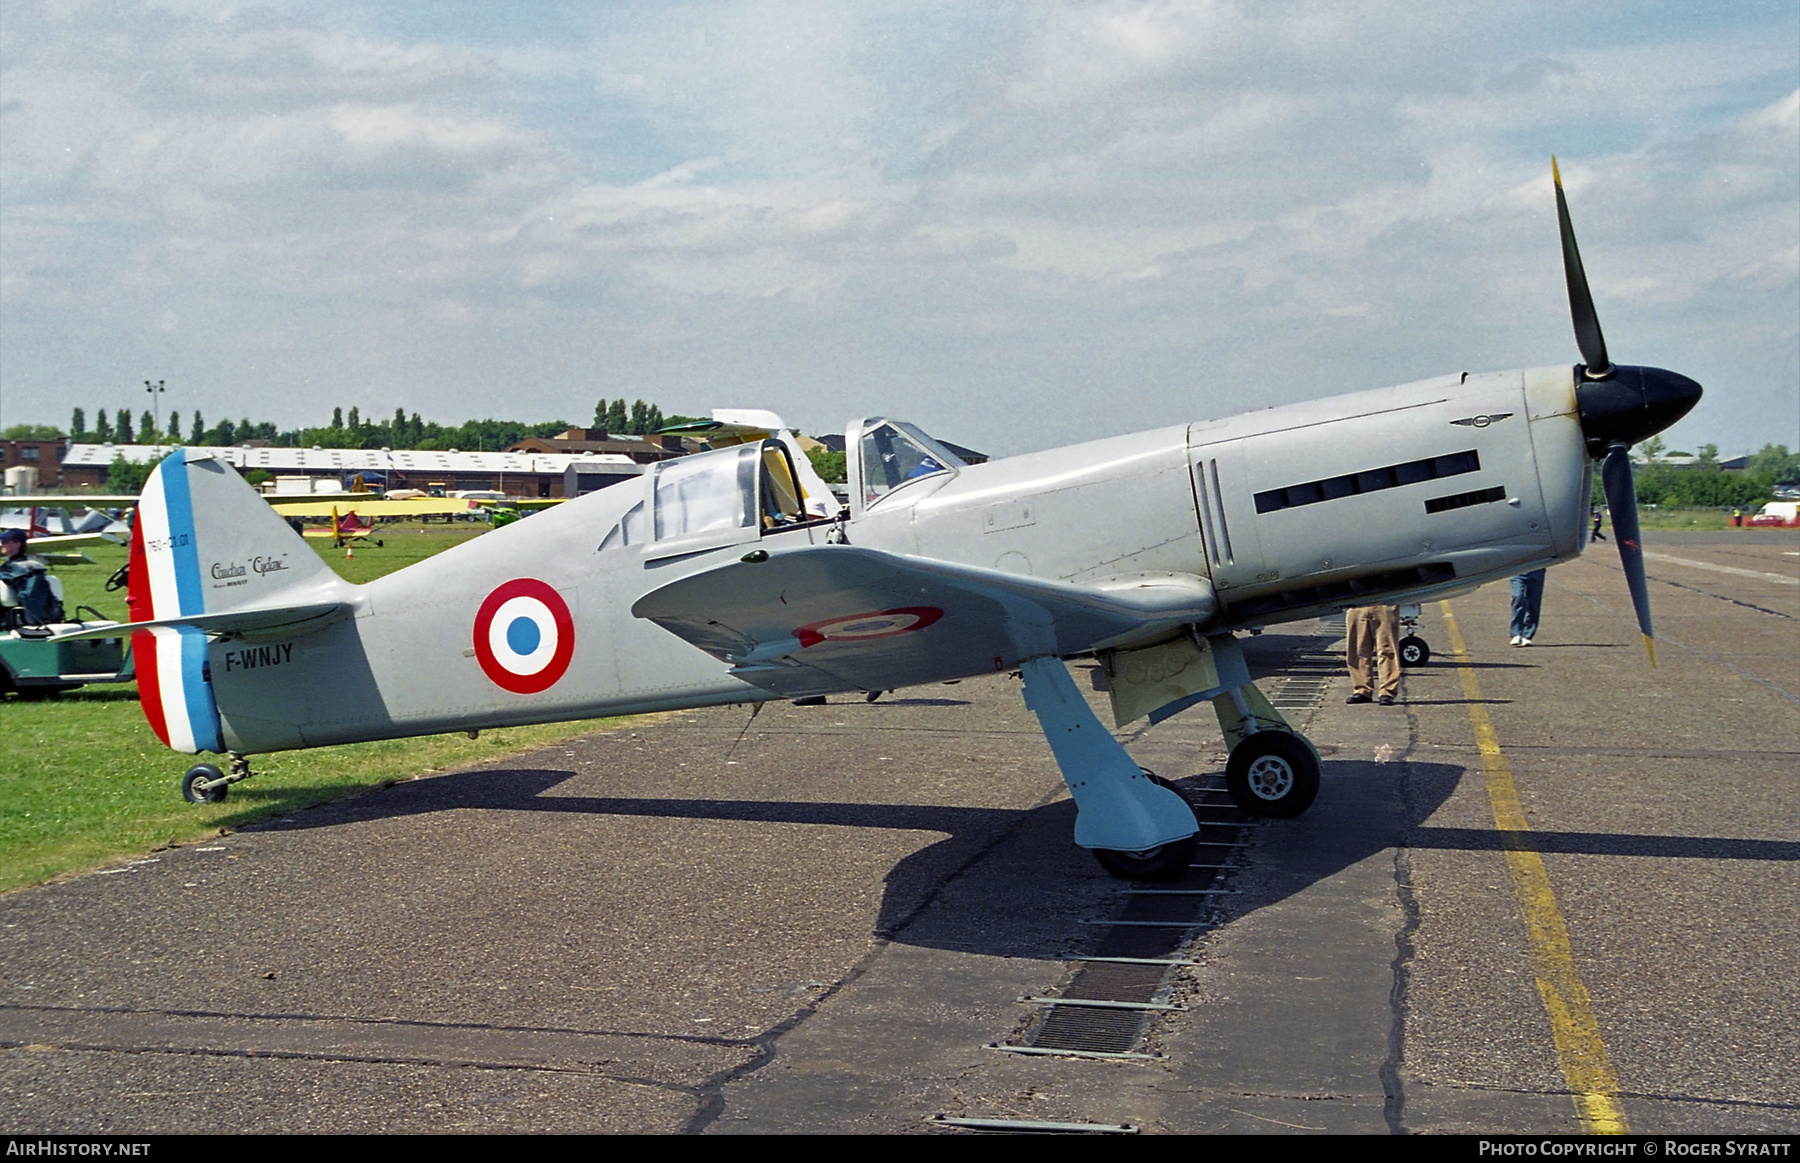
(714, 580)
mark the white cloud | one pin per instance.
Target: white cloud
(1000, 221)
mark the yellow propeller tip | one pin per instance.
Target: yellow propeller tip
(1555, 173)
(1650, 645)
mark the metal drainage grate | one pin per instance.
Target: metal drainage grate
(1108, 1005)
(1085, 1028)
(1117, 982)
(1033, 1126)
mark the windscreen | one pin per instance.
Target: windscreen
(890, 458)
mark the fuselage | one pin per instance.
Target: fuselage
(1390, 495)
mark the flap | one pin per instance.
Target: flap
(825, 618)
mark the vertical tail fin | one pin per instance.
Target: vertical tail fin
(203, 542)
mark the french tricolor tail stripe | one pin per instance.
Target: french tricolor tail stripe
(173, 685)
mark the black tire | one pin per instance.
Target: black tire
(202, 773)
(1272, 773)
(1163, 862)
(1413, 651)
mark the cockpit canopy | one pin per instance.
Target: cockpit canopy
(713, 499)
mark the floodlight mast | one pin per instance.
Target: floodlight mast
(156, 390)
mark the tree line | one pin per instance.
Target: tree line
(1706, 485)
(345, 430)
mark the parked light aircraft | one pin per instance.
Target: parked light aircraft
(56, 538)
(345, 529)
(711, 581)
(371, 508)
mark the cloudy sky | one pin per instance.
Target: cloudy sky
(1017, 225)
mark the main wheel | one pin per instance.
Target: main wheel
(1272, 773)
(1163, 862)
(198, 774)
(1413, 651)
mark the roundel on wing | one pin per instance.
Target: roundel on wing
(524, 636)
(862, 627)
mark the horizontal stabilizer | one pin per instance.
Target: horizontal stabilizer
(837, 617)
(229, 622)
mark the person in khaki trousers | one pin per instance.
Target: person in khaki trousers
(1372, 644)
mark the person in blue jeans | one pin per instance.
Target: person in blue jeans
(1527, 599)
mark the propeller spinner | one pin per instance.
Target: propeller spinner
(1619, 406)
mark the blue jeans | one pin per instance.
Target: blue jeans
(1527, 599)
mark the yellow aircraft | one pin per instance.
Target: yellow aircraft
(346, 529)
(416, 507)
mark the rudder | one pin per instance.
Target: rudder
(204, 542)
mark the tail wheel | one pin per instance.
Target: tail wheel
(1413, 651)
(198, 774)
(1272, 773)
(1163, 862)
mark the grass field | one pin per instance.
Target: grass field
(1649, 518)
(84, 781)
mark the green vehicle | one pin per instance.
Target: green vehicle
(35, 666)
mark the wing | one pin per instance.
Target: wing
(66, 541)
(835, 617)
(420, 507)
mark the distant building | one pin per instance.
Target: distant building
(46, 456)
(642, 449)
(580, 461)
(516, 474)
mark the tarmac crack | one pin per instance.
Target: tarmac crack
(1709, 594)
(595, 1070)
(1646, 1095)
(484, 1027)
(1561, 749)
(1737, 670)
(712, 1090)
(1393, 1107)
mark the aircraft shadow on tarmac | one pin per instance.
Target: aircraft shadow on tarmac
(1010, 882)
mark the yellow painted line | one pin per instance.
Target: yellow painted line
(1585, 1063)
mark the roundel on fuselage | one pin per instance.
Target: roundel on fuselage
(524, 636)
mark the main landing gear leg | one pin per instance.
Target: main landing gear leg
(1414, 650)
(1273, 769)
(1136, 825)
(206, 784)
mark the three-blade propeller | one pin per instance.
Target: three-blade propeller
(1619, 406)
